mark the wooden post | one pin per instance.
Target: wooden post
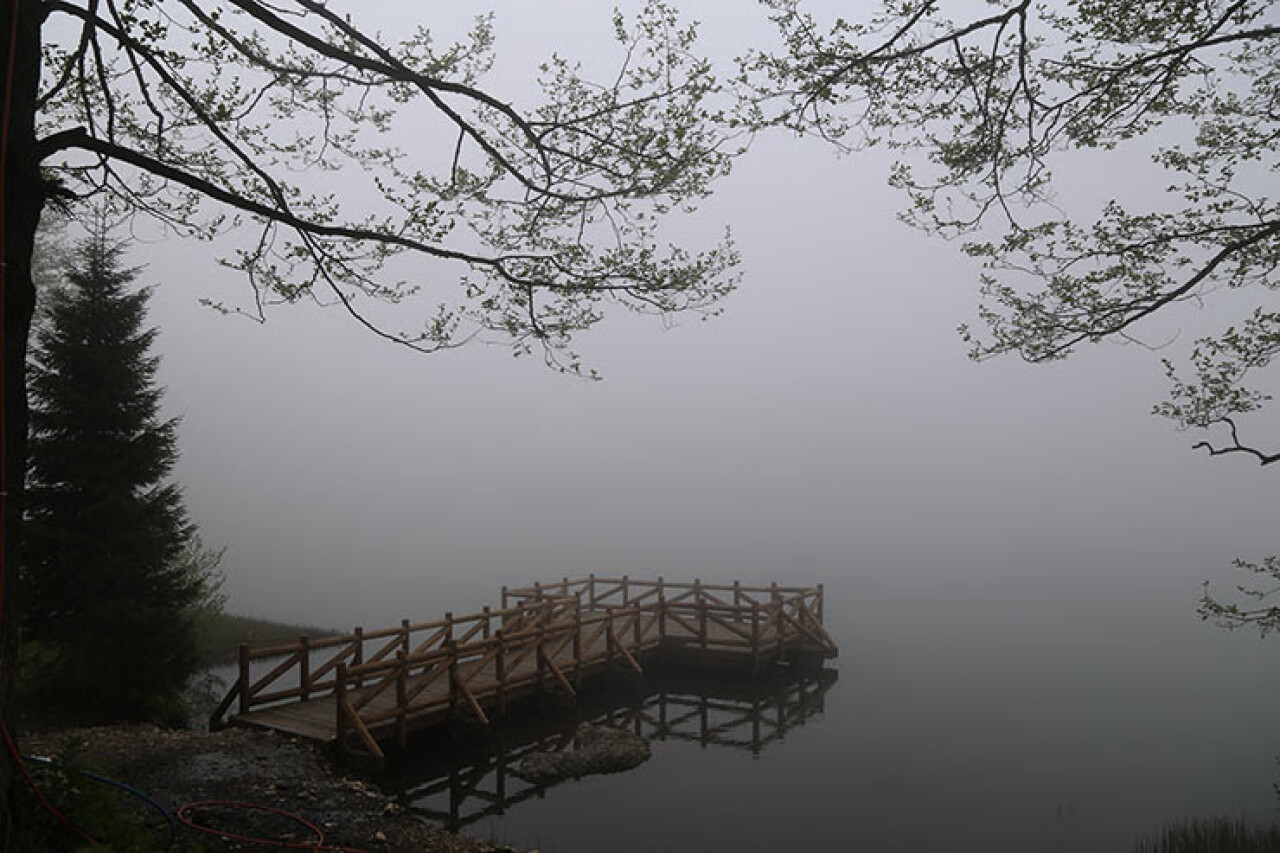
(358, 657)
(564, 587)
(504, 596)
(755, 636)
(818, 604)
(304, 667)
(485, 611)
(625, 591)
(500, 670)
(662, 612)
(702, 624)
(577, 641)
(448, 628)
(591, 591)
(453, 676)
(339, 705)
(402, 702)
(608, 637)
(404, 636)
(737, 595)
(542, 666)
(245, 683)
(778, 624)
(700, 605)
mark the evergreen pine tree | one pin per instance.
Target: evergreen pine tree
(108, 591)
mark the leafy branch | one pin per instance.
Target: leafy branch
(982, 110)
(203, 116)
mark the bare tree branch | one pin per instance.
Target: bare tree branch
(1237, 447)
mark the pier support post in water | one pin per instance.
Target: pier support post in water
(542, 664)
(453, 677)
(577, 641)
(402, 700)
(500, 671)
(755, 637)
(662, 616)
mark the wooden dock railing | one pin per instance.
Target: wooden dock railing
(545, 637)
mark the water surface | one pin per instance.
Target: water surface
(1070, 722)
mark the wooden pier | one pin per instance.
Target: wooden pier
(368, 687)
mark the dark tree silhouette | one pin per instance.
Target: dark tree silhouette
(108, 597)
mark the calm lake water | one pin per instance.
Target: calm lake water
(953, 721)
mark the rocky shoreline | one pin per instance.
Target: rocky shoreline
(266, 772)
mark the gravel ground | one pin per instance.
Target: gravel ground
(176, 767)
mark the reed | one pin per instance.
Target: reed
(1216, 835)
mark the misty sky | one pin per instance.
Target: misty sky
(828, 427)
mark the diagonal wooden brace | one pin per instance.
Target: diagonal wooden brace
(555, 670)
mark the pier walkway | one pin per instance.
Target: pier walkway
(366, 688)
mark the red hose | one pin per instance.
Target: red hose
(184, 816)
(50, 807)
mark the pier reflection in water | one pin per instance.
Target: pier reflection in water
(466, 777)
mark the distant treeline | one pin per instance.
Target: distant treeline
(218, 635)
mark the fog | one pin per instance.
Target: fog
(1011, 552)
(828, 427)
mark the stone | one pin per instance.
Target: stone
(597, 749)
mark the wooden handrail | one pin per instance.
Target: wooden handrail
(603, 583)
(282, 649)
(570, 623)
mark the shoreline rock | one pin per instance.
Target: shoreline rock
(597, 749)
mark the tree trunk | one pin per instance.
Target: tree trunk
(23, 199)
